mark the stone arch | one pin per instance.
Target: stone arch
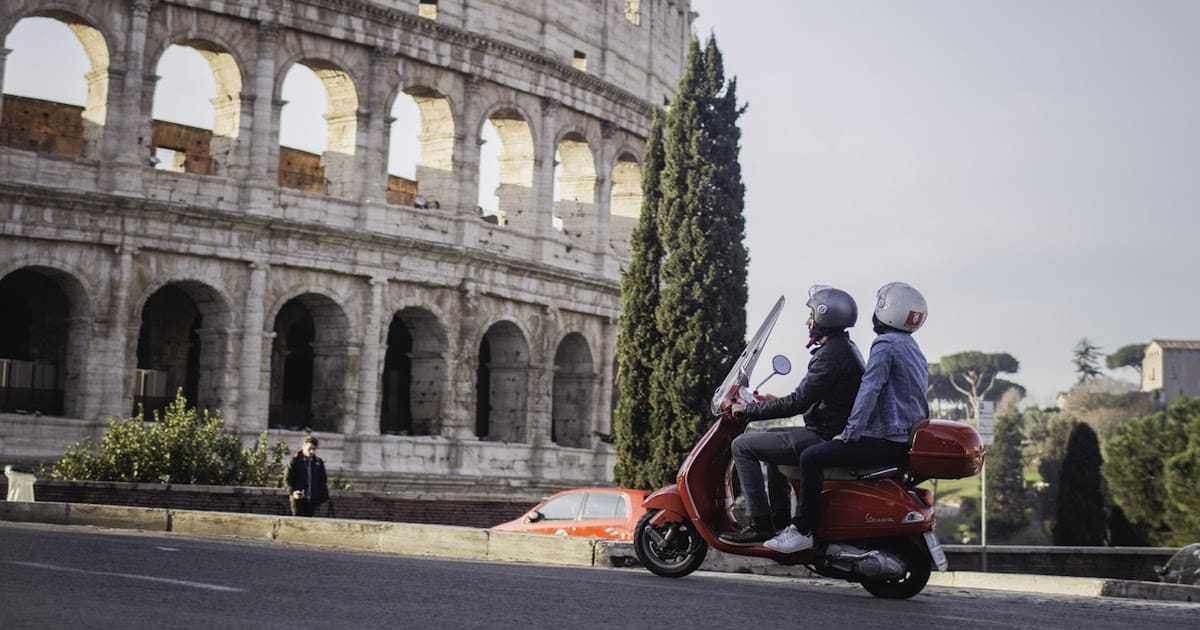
(573, 403)
(436, 143)
(210, 151)
(575, 184)
(502, 384)
(516, 167)
(333, 172)
(309, 362)
(414, 373)
(183, 343)
(45, 336)
(625, 203)
(70, 140)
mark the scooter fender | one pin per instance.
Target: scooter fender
(669, 504)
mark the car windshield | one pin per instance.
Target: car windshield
(739, 373)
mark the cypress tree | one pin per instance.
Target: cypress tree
(638, 341)
(1006, 480)
(1079, 515)
(701, 314)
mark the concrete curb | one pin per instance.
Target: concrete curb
(466, 543)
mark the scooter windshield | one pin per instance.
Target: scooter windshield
(739, 374)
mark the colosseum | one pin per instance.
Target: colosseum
(427, 340)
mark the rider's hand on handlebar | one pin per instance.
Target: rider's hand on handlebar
(760, 397)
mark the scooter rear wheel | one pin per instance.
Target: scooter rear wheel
(672, 551)
(919, 566)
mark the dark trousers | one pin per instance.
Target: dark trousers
(863, 453)
(775, 447)
(303, 507)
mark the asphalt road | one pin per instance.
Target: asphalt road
(57, 577)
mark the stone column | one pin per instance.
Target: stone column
(463, 195)
(601, 410)
(115, 382)
(603, 197)
(367, 418)
(252, 413)
(458, 409)
(543, 178)
(95, 112)
(3, 57)
(225, 138)
(123, 155)
(341, 160)
(372, 142)
(262, 140)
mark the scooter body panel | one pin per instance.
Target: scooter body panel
(669, 504)
(852, 510)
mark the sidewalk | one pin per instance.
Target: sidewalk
(466, 543)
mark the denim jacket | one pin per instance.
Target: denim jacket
(891, 399)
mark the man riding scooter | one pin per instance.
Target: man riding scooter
(825, 396)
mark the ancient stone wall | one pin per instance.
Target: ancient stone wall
(303, 293)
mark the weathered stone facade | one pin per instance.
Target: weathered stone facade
(1171, 368)
(417, 337)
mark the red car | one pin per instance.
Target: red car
(610, 513)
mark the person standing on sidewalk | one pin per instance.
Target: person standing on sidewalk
(308, 485)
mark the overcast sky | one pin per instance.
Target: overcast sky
(1032, 166)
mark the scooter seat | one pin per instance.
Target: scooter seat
(849, 474)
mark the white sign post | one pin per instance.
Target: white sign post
(987, 420)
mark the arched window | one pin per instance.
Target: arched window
(503, 384)
(56, 87)
(573, 397)
(197, 109)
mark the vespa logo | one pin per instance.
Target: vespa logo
(878, 519)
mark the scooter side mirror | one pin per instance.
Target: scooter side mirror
(781, 364)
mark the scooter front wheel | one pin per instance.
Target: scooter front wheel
(673, 550)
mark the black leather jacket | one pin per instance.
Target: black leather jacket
(826, 393)
(297, 478)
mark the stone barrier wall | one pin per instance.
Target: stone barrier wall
(430, 509)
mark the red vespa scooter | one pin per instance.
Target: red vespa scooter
(876, 526)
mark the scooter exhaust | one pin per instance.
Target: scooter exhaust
(865, 563)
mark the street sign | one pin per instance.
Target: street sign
(987, 420)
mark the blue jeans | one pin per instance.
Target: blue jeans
(862, 453)
(775, 447)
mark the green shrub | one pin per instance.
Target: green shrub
(178, 446)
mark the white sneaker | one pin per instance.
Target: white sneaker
(790, 540)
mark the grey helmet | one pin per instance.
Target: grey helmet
(899, 306)
(833, 310)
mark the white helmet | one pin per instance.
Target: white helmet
(899, 306)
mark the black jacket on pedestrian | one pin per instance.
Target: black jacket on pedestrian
(826, 393)
(298, 478)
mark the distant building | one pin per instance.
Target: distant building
(1171, 368)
